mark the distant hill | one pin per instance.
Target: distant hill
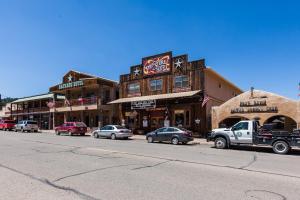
(6, 100)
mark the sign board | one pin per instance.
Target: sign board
(157, 64)
(70, 85)
(257, 106)
(143, 104)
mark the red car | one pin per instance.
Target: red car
(7, 125)
(72, 128)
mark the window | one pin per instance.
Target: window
(181, 81)
(156, 85)
(161, 130)
(134, 88)
(172, 130)
(241, 126)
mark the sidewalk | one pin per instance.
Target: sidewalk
(143, 137)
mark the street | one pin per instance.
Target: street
(42, 166)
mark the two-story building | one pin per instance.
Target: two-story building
(86, 98)
(171, 91)
(34, 108)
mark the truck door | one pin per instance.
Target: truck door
(242, 133)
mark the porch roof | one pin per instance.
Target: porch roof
(156, 97)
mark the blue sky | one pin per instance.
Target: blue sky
(251, 43)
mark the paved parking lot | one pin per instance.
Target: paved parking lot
(46, 166)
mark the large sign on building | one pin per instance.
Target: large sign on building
(143, 104)
(70, 85)
(157, 64)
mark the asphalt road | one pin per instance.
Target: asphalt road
(45, 166)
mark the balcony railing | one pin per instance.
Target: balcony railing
(79, 102)
(31, 110)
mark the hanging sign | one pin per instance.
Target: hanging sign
(157, 64)
(143, 104)
(70, 85)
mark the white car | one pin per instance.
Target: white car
(27, 125)
(113, 132)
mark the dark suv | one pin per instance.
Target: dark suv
(175, 135)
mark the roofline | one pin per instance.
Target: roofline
(209, 69)
(32, 96)
(105, 79)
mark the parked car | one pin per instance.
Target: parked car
(175, 135)
(27, 125)
(7, 125)
(72, 128)
(113, 132)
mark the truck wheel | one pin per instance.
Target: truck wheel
(57, 132)
(70, 133)
(281, 147)
(220, 143)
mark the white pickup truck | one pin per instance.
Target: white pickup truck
(249, 133)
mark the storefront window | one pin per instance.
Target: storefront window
(179, 118)
(181, 81)
(156, 85)
(134, 88)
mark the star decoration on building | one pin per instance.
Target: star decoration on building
(178, 63)
(70, 78)
(136, 72)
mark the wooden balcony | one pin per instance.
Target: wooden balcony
(88, 103)
(30, 111)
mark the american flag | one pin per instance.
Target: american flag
(50, 104)
(205, 100)
(67, 102)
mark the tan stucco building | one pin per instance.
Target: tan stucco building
(263, 106)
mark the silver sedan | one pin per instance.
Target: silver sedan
(113, 132)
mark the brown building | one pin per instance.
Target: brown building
(259, 105)
(164, 90)
(86, 98)
(34, 108)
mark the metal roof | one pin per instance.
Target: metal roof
(37, 97)
(155, 97)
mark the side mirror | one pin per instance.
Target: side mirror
(233, 129)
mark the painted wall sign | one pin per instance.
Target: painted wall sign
(70, 85)
(255, 110)
(254, 103)
(143, 104)
(157, 64)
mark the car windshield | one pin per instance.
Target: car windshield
(80, 124)
(31, 122)
(120, 127)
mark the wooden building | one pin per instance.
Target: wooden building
(34, 108)
(86, 98)
(171, 91)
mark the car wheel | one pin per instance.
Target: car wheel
(22, 130)
(16, 130)
(113, 136)
(70, 133)
(150, 139)
(175, 140)
(57, 132)
(220, 143)
(281, 147)
(96, 135)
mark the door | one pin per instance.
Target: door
(106, 131)
(241, 133)
(169, 133)
(161, 134)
